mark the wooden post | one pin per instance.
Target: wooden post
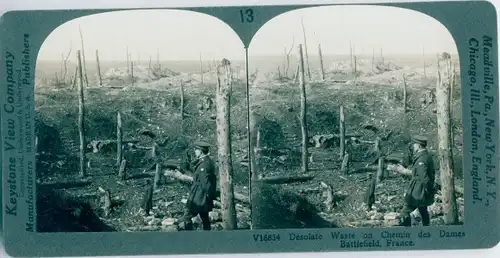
(342, 133)
(321, 62)
(119, 139)
(83, 58)
(81, 117)
(305, 49)
(303, 112)
(201, 70)
(444, 147)
(182, 105)
(223, 100)
(98, 67)
(405, 95)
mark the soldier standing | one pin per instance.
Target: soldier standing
(420, 193)
(202, 193)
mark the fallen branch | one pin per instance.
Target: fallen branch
(189, 179)
(285, 179)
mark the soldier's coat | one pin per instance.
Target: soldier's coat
(203, 190)
(421, 190)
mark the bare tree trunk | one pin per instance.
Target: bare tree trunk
(223, 99)
(444, 135)
(156, 181)
(305, 49)
(182, 106)
(83, 58)
(342, 133)
(119, 139)
(98, 67)
(254, 156)
(321, 62)
(81, 116)
(405, 96)
(303, 112)
(75, 77)
(201, 70)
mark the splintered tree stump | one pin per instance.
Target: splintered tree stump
(157, 178)
(106, 200)
(380, 169)
(122, 175)
(344, 169)
(303, 112)
(328, 194)
(223, 103)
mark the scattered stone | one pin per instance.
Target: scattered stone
(391, 219)
(155, 222)
(436, 209)
(377, 216)
(169, 222)
(215, 216)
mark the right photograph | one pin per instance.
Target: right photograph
(355, 120)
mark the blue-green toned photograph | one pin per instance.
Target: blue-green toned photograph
(142, 130)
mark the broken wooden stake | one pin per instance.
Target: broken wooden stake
(380, 169)
(344, 169)
(81, 115)
(322, 70)
(342, 132)
(122, 175)
(99, 77)
(405, 96)
(119, 139)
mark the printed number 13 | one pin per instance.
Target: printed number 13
(246, 15)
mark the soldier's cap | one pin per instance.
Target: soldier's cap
(422, 140)
(202, 145)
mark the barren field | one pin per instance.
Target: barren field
(373, 107)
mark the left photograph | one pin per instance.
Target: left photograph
(132, 115)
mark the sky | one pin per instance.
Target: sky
(185, 35)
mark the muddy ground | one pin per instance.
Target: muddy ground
(373, 100)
